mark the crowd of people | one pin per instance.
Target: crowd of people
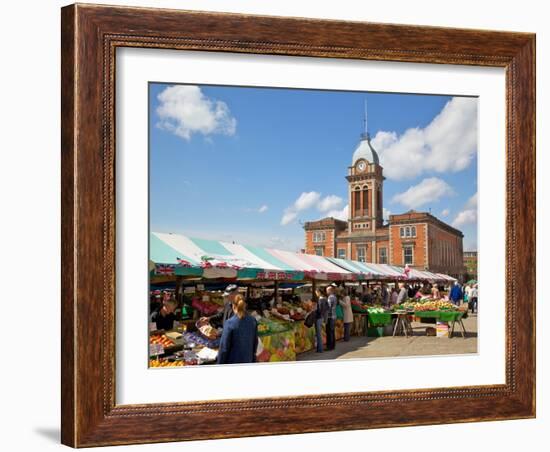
(240, 329)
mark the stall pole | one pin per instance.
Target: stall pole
(313, 288)
(276, 292)
(178, 289)
(248, 292)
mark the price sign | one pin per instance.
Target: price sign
(152, 326)
(156, 349)
(200, 286)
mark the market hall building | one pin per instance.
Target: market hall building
(418, 239)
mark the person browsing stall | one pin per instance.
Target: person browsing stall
(164, 318)
(219, 319)
(331, 317)
(402, 296)
(345, 302)
(240, 335)
(321, 315)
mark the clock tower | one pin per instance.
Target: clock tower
(365, 185)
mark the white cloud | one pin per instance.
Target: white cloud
(261, 209)
(185, 110)
(469, 214)
(288, 217)
(465, 217)
(429, 190)
(472, 202)
(386, 214)
(306, 200)
(447, 144)
(342, 214)
(445, 212)
(330, 202)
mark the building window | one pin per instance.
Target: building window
(341, 253)
(408, 231)
(357, 202)
(319, 250)
(319, 236)
(361, 253)
(365, 201)
(383, 256)
(408, 255)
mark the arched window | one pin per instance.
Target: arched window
(365, 205)
(357, 200)
(413, 231)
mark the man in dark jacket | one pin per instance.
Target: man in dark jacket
(332, 302)
(219, 319)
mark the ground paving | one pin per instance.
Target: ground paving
(389, 346)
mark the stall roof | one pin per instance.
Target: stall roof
(175, 254)
(185, 256)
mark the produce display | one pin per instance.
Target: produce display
(379, 317)
(205, 307)
(268, 326)
(277, 347)
(161, 339)
(357, 306)
(193, 338)
(426, 305)
(434, 305)
(165, 363)
(207, 330)
(304, 337)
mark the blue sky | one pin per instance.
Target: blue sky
(250, 164)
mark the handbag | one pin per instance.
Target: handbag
(309, 320)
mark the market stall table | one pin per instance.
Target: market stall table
(445, 316)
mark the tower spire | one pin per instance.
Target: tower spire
(365, 134)
(366, 128)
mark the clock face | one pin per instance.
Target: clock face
(361, 166)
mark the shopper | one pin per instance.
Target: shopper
(393, 297)
(385, 295)
(164, 318)
(219, 319)
(321, 315)
(402, 296)
(473, 302)
(455, 294)
(345, 302)
(435, 292)
(467, 294)
(331, 317)
(240, 335)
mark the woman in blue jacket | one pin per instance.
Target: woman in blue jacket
(240, 336)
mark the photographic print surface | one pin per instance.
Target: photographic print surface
(291, 224)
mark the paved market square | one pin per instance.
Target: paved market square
(394, 346)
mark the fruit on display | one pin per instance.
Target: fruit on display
(165, 363)
(161, 339)
(426, 305)
(263, 328)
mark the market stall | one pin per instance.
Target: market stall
(199, 269)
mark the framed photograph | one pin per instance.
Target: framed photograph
(267, 218)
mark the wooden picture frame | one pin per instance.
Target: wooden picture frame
(90, 36)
